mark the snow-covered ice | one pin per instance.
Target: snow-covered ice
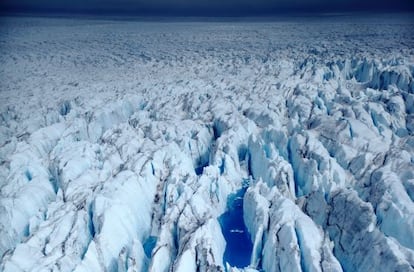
(130, 145)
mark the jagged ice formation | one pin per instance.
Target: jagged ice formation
(124, 143)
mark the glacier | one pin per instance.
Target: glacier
(271, 145)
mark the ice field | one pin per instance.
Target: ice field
(280, 144)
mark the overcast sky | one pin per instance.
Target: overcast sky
(205, 7)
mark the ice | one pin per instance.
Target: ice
(394, 209)
(294, 241)
(360, 240)
(256, 217)
(278, 145)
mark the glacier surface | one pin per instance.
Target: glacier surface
(280, 145)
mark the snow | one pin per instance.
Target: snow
(121, 143)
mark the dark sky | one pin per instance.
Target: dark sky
(204, 7)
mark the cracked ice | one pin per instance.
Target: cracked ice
(123, 142)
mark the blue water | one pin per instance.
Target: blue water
(149, 245)
(239, 246)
